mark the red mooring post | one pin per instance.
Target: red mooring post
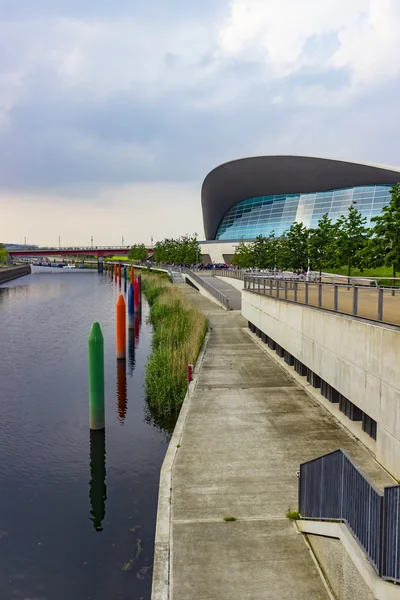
(136, 293)
(119, 273)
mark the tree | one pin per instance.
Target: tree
(351, 240)
(321, 243)
(3, 254)
(138, 252)
(243, 256)
(384, 248)
(182, 251)
(293, 250)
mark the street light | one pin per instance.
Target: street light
(59, 242)
(122, 242)
(91, 240)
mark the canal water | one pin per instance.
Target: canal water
(77, 510)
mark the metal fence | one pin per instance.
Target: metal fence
(370, 302)
(207, 286)
(332, 487)
(234, 273)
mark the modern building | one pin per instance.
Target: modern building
(265, 195)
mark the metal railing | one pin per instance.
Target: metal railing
(207, 286)
(332, 487)
(374, 303)
(234, 273)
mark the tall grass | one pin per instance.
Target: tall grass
(179, 331)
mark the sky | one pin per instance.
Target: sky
(112, 112)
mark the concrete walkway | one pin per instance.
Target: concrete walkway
(234, 296)
(248, 427)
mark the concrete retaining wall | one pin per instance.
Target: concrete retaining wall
(361, 360)
(13, 272)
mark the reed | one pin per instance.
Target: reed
(179, 331)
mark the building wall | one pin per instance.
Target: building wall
(218, 251)
(358, 359)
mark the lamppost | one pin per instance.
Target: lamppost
(91, 240)
(25, 240)
(59, 242)
(122, 242)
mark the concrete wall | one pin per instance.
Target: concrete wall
(13, 272)
(361, 360)
(216, 250)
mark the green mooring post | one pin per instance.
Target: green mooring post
(96, 377)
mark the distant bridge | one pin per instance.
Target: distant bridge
(99, 251)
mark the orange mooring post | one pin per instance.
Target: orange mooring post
(115, 271)
(121, 328)
(132, 274)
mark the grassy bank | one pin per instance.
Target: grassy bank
(179, 331)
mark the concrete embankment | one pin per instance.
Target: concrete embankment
(9, 273)
(247, 427)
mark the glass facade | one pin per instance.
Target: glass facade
(266, 214)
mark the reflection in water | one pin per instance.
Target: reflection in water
(122, 394)
(164, 423)
(137, 321)
(131, 349)
(134, 324)
(98, 488)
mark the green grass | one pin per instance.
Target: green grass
(374, 273)
(179, 331)
(294, 515)
(229, 519)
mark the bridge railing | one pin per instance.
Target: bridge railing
(370, 302)
(207, 286)
(332, 487)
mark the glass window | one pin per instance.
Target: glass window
(264, 214)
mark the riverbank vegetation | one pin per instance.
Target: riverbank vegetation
(346, 246)
(179, 331)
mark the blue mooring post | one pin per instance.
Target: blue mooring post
(131, 308)
(124, 272)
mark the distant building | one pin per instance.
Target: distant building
(248, 197)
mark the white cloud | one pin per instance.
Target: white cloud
(278, 31)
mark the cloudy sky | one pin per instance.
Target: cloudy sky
(112, 112)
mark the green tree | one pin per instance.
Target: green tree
(3, 254)
(293, 248)
(351, 240)
(243, 256)
(384, 247)
(138, 252)
(321, 243)
(182, 251)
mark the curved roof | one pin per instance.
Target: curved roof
(238, 180)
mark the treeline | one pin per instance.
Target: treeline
(181, 251)
(347, 242)
(138, 252)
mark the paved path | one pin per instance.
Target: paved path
(248, 427)
(234, 296)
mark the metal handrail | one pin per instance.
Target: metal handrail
(332, 487)
(206, 285)
(288, 289)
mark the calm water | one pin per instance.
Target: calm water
(58, 537)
